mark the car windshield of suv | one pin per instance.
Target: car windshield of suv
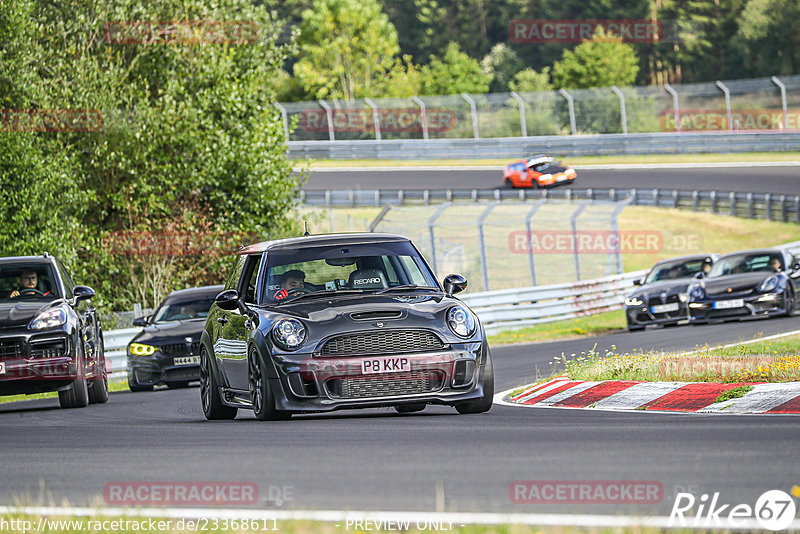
(183, 310)
(23, 282)
(675, 269)
(344, 268)
(747, 263)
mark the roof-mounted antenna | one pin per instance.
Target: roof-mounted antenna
(306, 233)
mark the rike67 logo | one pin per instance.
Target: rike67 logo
(773, 510)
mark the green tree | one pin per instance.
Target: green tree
(455, 73)
(600, 62)
(501, 63)
(775, 41)
(346, 48)
(530, 81)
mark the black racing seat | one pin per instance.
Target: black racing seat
(367, 279)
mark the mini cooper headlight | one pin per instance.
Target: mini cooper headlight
(696, 292)
(49, 319)
(289, 334)
(460, 321)
(633, 301)
(140, 349)
(770, 284)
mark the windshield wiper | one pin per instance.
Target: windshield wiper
(322, 293)
(404, 287)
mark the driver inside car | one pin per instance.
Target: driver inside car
(29, 285)
(292, 283)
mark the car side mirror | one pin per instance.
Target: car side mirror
(796, 267)
(454, 283)
(82, 293)
(141, 321)
(637, 282)
(228, 300)
(700, 275)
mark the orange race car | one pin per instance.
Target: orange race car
(538, 171)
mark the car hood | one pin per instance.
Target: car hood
(15, 314)
(670, 287)
(168, 332)
(555, 170)
(737, 283)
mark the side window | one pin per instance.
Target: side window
(69, 285)
(250, 274)
(233, 277)
(388, 268)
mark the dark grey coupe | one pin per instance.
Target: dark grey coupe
(314, 324)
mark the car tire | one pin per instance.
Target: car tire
(507, 183)
(788, 301)
(409, 408)
(209, 392)
(77, 394)
(485, 402)
(263, 398)
(98, 388)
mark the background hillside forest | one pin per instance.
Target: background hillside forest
(349, 49)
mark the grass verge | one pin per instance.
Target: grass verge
(754, 157)
(768, 361)
(589, 325)
(113, 386)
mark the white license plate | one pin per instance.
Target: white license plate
(2, 368)
(385, 364)
(727, 304)
(188, 360)
(664, 308)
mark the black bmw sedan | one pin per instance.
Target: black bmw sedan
(662, 295)
(50, 336)
(167, 350)
(314, 324)
(748, 284)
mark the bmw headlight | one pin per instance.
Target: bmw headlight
(460, 321)
(696, 292)
(49, 319)
(140, 349)
(289, 334)
(770, 284)
(633, 301)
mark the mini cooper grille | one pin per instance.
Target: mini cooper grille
(181, 349)
(388, 385)
(10, 349)
(382, 343)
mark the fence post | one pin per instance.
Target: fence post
(714, 201)
(656, 194)
(571, 104)
(528, 217)
(573, 222)
(284, 118)
(751, 212)
(375, 119)
(675, 198)
(622, 108)
(784, 105)
(768, 204)
(727, 94)
(617, 253)
(329, 113)
(474, 112)
(783, 208)
(377, 220)
(696, 199)
(524, 127)
(423, 115)
(675, 105)
(797, 208)
(432, 234)
(482, 244)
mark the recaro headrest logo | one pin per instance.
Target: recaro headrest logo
(360, 281)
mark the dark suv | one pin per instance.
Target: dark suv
(50, 335)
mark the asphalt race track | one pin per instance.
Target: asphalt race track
(781, 180)
(379, 460)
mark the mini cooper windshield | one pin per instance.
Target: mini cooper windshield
(332, 270)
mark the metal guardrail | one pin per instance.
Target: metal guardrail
(562, 145)
(768, 206)
(514, 308)
(115, 343)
